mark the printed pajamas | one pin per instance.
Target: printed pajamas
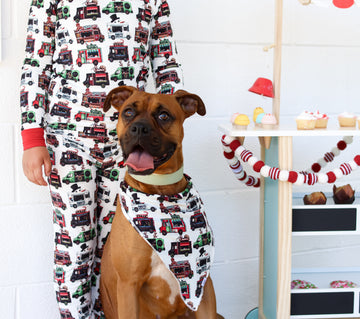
(76, 52)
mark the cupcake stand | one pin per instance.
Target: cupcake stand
(283, 215)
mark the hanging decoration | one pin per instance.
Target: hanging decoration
(234, 151)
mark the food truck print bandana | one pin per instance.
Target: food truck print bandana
(176, 227)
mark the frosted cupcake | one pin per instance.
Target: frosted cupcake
(347, 119)
(240, 122)
(259, 119)
(268, 121)
(306, 121)
(321, 120)
(257, 111)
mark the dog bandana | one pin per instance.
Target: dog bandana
(176, 227)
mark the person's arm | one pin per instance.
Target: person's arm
(166, 66)
(36, 70)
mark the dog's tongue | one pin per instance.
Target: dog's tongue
(140, 160)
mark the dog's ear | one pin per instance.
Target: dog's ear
(118, 96)
(190, 103)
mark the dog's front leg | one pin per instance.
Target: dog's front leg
(207, 307)
(127, 300)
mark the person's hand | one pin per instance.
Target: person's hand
(33, 160)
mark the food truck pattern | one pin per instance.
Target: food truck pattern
(76, 52)
(177, 228)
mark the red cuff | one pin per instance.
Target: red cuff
(33, 137)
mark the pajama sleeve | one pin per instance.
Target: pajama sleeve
(165, 62)
(36, 71)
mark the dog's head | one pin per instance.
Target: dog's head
(150, 127)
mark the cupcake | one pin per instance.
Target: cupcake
(257, 111)
(240, 122)
(358, 121)
(347, 119)
(259, 119)
(306, 121)
(268, 121)
(321, 120)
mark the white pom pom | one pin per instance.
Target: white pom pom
(252, 160)
(335, 151)
(228, 139)
(300, 180)
(265, 170)
(353, 164)
(238, 151)
(284, 175)
(338, 173)
(348, 139)
(227, 149)
(232, 161)
(322, 178)
(322, 162)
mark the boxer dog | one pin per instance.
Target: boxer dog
(135, 283)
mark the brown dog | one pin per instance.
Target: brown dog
(134, 281)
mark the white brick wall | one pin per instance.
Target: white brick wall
(221, 44)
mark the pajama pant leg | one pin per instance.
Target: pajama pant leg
(83, 197)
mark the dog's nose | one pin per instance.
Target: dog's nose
(139, 129)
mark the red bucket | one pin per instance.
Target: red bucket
(263, 87)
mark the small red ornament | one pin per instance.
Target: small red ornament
(316, 167)
(341, 145)
(258, 165)
(343, 4)
(331, 177)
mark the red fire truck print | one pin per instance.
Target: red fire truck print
(66, 314)
(90, 11)
(169, 76)
(181, 269)
(175, 224)
(89, 33)
(144, 223)
(181, 247)
(40, 101)
(47, 48)
(109, 217)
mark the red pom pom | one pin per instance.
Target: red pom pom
(292, 176)
(331, 177)
(250, 181)
(243, 177)
(234, 145)
(311, 179)
(229, 155)
(357, 159)
(258, 165)
(316, 167)
(341, 145)
(257, 183)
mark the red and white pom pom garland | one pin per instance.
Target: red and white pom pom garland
(233, 150)
(329, 156)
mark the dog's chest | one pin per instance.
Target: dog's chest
(177, 229)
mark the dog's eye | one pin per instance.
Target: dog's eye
(129, 113)
(164, 116)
